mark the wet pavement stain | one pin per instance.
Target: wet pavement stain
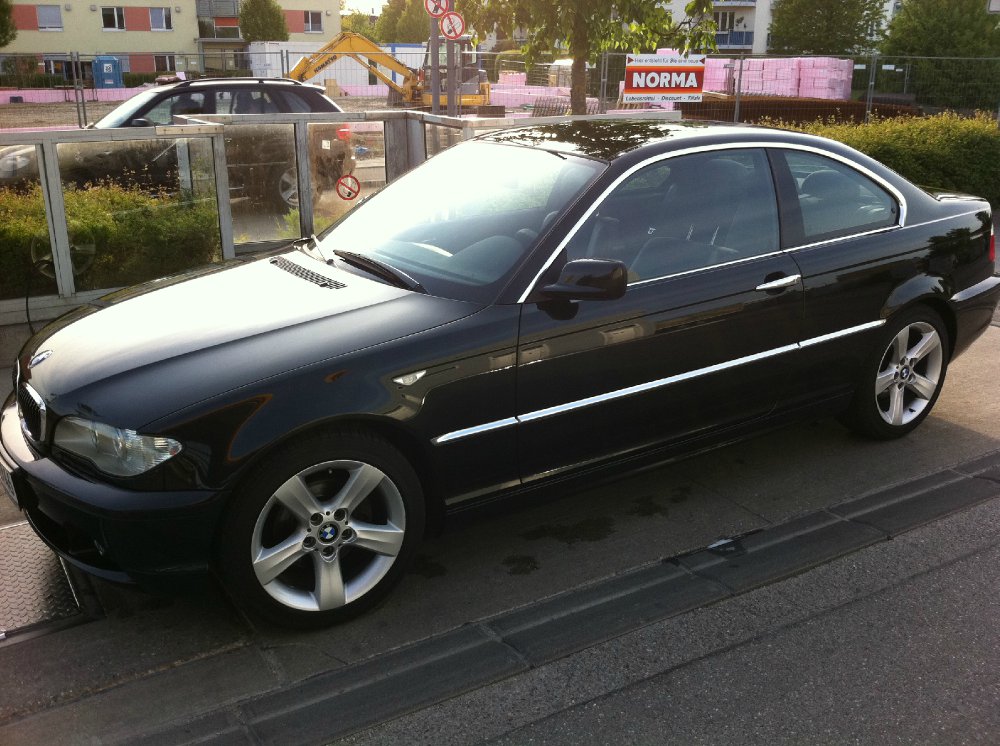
(589, 529)
(520, 564)
(680, 493)
(647, 505)
(427, 567)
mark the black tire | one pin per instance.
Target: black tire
(902, 378)
(296, 544)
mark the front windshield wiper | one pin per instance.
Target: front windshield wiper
(392, 275)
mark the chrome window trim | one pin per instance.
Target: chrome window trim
(900, 199)
(639, 388)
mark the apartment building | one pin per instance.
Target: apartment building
(743, 24)
(186, 35)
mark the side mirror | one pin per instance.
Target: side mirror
(589, 279)
(141, 122)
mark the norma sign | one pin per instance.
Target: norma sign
(452, 25)
(436, 8)
(660, 78)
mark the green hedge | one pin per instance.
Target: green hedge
(135, 236)
(944, 151)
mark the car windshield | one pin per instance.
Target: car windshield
(463, 221)
(121, 114)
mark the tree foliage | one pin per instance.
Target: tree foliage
(262, 20)
(943, 28)
(360, 23)
(948, 28)
(825, 26)
(8, 31)
(588, 27)
(403, 21)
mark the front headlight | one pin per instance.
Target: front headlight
(113, 450)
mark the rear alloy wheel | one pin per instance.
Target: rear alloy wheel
(323, 531)
(899, 391)
(286, 189)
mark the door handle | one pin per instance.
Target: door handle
(780, 284)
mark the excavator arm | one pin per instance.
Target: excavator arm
(367, 54)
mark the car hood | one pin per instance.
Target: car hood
(204, 333)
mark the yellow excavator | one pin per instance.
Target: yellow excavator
(415, 88)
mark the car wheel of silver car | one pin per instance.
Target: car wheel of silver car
(902, 382)
(286, 189)
(322, 530)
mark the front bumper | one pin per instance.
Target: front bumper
(108, 531)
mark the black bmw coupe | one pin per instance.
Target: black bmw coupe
(534, 305)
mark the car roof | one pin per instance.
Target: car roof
(611, 139)
(239, 82)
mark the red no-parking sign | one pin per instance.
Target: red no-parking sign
(348, 187)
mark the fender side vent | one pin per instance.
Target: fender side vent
(314, 277)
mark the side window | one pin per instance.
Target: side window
(835, 200)
(254, 102)
(685, 213)
(295, 103)
(162, 112)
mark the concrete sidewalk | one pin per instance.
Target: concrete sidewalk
(581, 646)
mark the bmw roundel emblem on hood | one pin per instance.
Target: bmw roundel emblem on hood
(40, 358)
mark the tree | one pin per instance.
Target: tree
(948, 28)
(8, 31)
(385, 26)
(403, 21)
(360, 23)
(588, 27)
(262, 20)
(825, 26)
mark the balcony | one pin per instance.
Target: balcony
(734, 39)
(734, 3)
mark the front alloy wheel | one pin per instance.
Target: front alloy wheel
(317, 539)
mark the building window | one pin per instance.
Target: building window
(314, 20)
(49, 17)
(724, 20)
(164, 63)
(227, 32)
(159, 19)
(114, 18)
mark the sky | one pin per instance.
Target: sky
(371, 7)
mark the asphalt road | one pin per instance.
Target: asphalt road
(870, 632)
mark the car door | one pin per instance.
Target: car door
(701, 338)
(840, 226)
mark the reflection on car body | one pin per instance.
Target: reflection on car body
(624, 292)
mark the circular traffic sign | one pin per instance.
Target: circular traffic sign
(436, 8)
(348, 187)
(452, 25)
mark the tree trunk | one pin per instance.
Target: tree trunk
(579, 49)
(578, 93)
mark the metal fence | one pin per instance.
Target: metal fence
(737, 87)
(92, 210)
(748, 88)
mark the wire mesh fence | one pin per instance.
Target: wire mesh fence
(744, 88)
